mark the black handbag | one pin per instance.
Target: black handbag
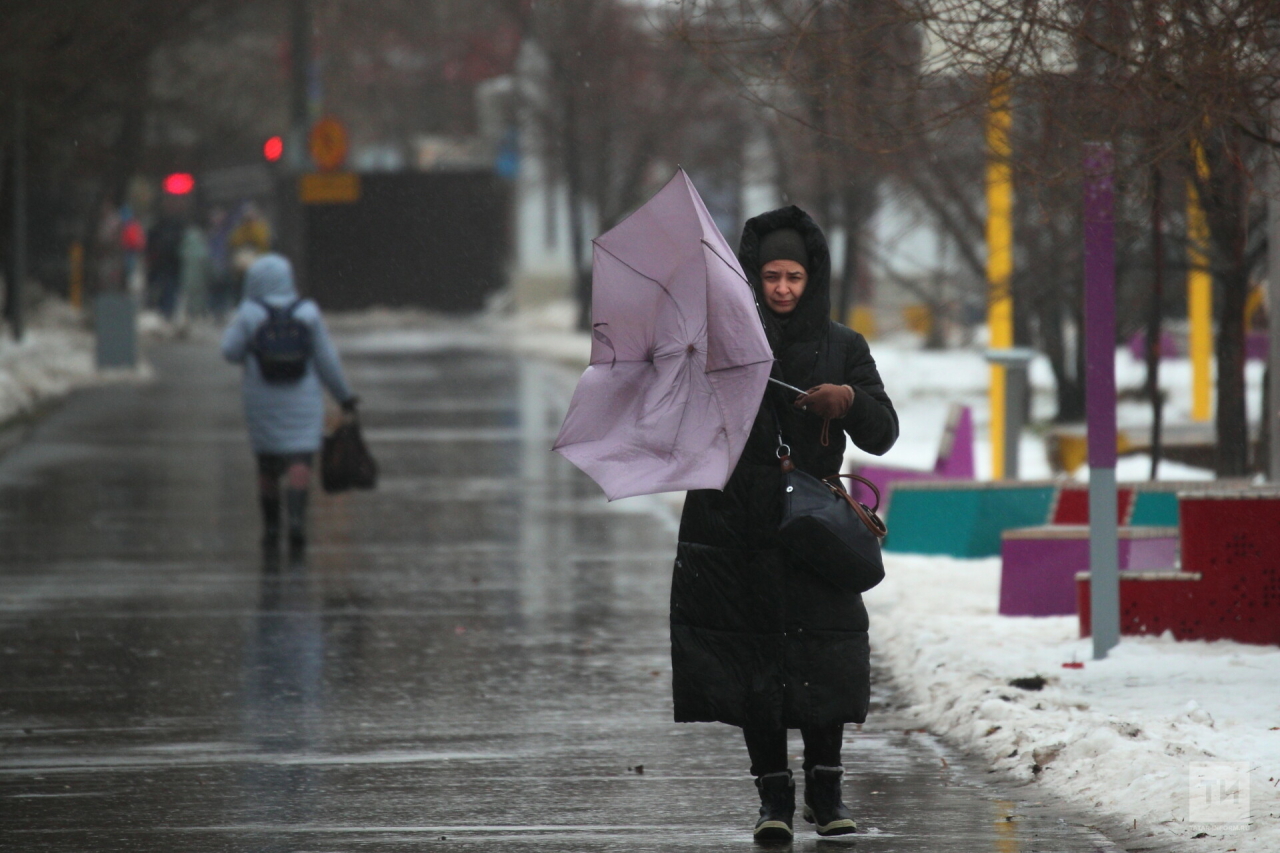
(826, 530)
(345, 461)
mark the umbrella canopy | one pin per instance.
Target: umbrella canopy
(679, 358)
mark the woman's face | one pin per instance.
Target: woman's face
(784, 283)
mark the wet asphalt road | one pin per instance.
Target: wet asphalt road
(472, 657)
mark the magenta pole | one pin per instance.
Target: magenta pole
(1100, 392)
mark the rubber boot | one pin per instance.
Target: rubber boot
(823, 806)
(777, 806)
(270, 523)
(296, 499)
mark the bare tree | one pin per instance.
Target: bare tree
(1157, 78)
(621, 106)
(842, 74)
(1166, 78)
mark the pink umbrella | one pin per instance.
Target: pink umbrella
(679, 359)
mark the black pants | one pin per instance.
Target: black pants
(768, 748)
(274, 465)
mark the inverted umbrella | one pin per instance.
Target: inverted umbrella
(679, 358)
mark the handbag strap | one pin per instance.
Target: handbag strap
(870, 485)
(869, 517)
(784, 449)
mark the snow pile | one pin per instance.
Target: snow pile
(548, 332)
(54, 356)
(923, 384)
(1118, 737)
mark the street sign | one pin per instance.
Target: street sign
(329, 188)
(328, 144)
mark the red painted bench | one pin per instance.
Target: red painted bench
(1228, 586)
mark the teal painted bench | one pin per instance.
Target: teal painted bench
(961, 518)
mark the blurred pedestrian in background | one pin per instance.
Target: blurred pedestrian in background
(250, 236)
(758, 641)
(193, 279)
(133, 243)
(288, 360)
(164, 263)
(223, 284)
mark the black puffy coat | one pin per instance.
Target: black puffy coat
(756, 640)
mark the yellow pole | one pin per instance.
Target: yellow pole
(1199, 294)
(999, 257)
(75, 275)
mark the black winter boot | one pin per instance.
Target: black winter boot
(777, 806)
(270, 523)
(297, 503)
(823, 806)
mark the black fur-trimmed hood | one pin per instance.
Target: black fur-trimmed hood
(810, 318)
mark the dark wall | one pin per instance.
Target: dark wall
(436, 240)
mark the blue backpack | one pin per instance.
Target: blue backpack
(282, 344)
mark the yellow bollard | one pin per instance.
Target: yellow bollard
(862, 319)
(999, 257)
(1199, 295)
(918, 318)
(75, 275)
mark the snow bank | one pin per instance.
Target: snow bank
(548, 333)
(1118, 737)
(55, 355)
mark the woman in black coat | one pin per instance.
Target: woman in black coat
(757, 641)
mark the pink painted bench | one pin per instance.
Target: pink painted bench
(1039, 564)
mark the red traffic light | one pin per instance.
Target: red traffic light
(179, 183)
(273, 149)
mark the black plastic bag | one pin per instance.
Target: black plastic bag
(345, 461)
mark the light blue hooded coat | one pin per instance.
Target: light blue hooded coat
(282, 418)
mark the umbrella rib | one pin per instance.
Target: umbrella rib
(659, 284)
(724, 419)
(735, 267)
(596, 243)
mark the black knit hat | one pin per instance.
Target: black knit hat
(783, 244)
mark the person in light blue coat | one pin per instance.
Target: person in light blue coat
(285, 419)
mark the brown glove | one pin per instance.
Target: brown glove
(826, 401)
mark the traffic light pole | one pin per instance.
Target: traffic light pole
(296, 161)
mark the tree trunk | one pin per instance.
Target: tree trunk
(1231, 419)
(1224, 201)
(573, 178)
(847, 296)
(1069, 388)
(122, 165)
(1153, 319)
